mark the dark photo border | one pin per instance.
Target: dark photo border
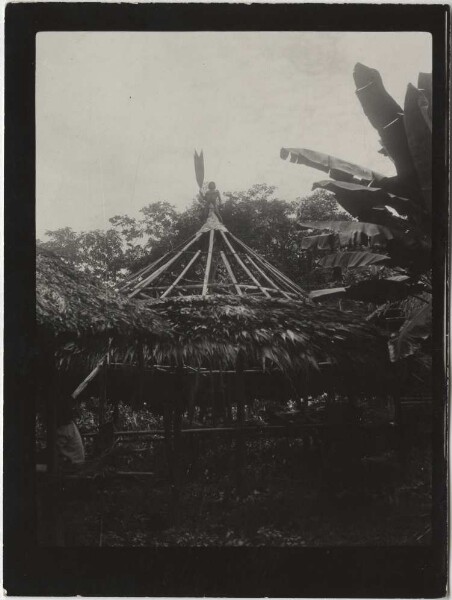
(29, 570)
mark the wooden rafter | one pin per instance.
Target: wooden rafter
(231, 273)
(163, 268)
(176, 281)
(209, 262)
(288, 282)
(263, 277)
(244, 267)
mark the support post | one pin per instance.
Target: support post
(240, 422)
(102, 393)
(178, 403)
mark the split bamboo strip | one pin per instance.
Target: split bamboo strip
(176, 281)
(288, 282)
(244, 267)
(147, 268)
(163, 268)
(209, 262)
(282, 278)
(190, 286)
(231, 272)
(265, 276)
(139, 274)
(293, 427)
(86, 381)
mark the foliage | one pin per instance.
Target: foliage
(415, 329)
(256, 216)
(320, 205)
(401, 205)
(97, 253)
(294, 337)
(74, 311)
(351, 259)
(348, 233)
(335, 167)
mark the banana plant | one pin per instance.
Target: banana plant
(392, 213)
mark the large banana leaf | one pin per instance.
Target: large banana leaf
(411, 252)
(418, 127)
(386, 116)
(352, 232)
(337, 168)
(408, 340)
(320, 242)
(378, 291)
(424, 83)
(359, 199)
(350, 260)
(379, 107)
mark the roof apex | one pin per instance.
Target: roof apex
(212, 222)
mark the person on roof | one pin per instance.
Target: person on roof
(212, 199)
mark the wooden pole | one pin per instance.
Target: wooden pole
(209, 262)
(102, 393)
(167, 424)
(265, 276)
(51, 418)
(240, 441)
(178, 404)
(86, 381)
(176, 281)
(283, 278)
(244, 267)
(141, 375)
(231, 273)
(163, 268)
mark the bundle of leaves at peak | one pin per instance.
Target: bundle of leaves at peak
(74, 312)
(270, 334)
(393, 215)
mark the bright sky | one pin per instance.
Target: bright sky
(118, 115)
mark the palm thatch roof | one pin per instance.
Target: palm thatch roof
(212, 261)
(296, 338)
(71, 306)
(321, 345)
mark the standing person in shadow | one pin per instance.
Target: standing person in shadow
(71, 451)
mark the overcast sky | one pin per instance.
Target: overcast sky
(118, 115)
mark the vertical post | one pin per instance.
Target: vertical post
(51, 418)
(240, 439)
(141, 375)
(209, 262)
(227, 394)
(213, 394)
(167, 424)
(178, 403)
(102, 392)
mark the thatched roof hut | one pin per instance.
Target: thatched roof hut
(275, 333)
(73, 311)
(315, 346)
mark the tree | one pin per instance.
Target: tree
(320, 205)
(256, 215)
(97, 252)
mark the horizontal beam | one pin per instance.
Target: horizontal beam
(251, 429)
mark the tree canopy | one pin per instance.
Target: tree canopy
(257, 216)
